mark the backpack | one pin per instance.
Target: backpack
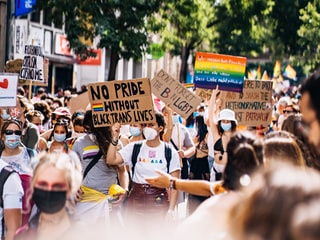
(136, 150)
(4, 174)
(25, 182)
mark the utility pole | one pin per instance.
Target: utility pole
(3, 31)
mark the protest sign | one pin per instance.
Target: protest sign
(79, 102)
(8, 89)
(253, 107)
(32, 65)
(204, 94)
(126, 101)
(217, 69)
(174, 94)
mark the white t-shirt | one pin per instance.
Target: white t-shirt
(21, 162)
(12, 192)
(180, 132)
(149, 159)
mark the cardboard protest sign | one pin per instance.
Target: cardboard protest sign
(213, 69)
(174, 94)
(253, 107)
(79, 102)
(32, 65)
(8, 90)
(126, 101)
(204, 94)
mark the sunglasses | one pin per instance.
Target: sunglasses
(10, 132)
(287, 111)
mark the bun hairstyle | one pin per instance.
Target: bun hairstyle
(243, 158)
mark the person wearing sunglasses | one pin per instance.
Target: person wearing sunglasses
(18, 156)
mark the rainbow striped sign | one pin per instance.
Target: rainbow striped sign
(213, 69)
(97, 107)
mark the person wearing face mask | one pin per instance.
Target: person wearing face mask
(30, 133)
(222, 124)
(17, 156)
(57, 176)
(180, 138)
(60, 134)
(146, 203)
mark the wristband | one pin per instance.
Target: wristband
(173, 183)
(114, 143)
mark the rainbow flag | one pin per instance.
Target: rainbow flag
(277, 69)
(290, 72)
(213, 69)
(265, 75)
(97, 107)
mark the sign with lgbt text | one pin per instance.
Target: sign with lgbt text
(171, 92)
(125, 102)
(213, 69)
(253, 107)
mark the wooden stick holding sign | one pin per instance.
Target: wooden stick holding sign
(172, 93)
(126, 101)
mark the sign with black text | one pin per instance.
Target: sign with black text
(32, 65)
(253, 107)
(125, 102)
(174, 94)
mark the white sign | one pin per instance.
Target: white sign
(20, 37)
(32, 65)
(8, 90)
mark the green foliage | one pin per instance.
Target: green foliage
(119, 25)
(310, 37)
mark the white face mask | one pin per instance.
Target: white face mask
(149, 133)
(79, 134)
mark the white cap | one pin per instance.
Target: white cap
(227, 114)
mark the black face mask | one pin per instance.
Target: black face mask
(49, 201)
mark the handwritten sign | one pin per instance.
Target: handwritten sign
(253, 107)
(171, 92)
(204, 94)
(8, 90)
(126, 101)
(32, 65)
(217, 69)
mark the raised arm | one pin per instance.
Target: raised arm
(213, 111)
(168, 132)
(113, 157)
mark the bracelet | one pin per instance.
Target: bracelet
(115, 143)
(173, 183)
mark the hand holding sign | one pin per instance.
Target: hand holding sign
(4, 83)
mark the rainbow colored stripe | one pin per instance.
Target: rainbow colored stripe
(213, 69)
(97, 107)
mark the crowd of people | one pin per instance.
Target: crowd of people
(63, 178)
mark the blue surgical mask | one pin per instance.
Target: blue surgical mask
(134, 131)
(5, 115)
(59, 137)
(226, 126)
(176, 119)
(12, 141)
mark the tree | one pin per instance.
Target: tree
(184, 29)
(119, 25)
(309, 37)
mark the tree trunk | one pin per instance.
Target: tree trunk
(185, 51)
(114, 59)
